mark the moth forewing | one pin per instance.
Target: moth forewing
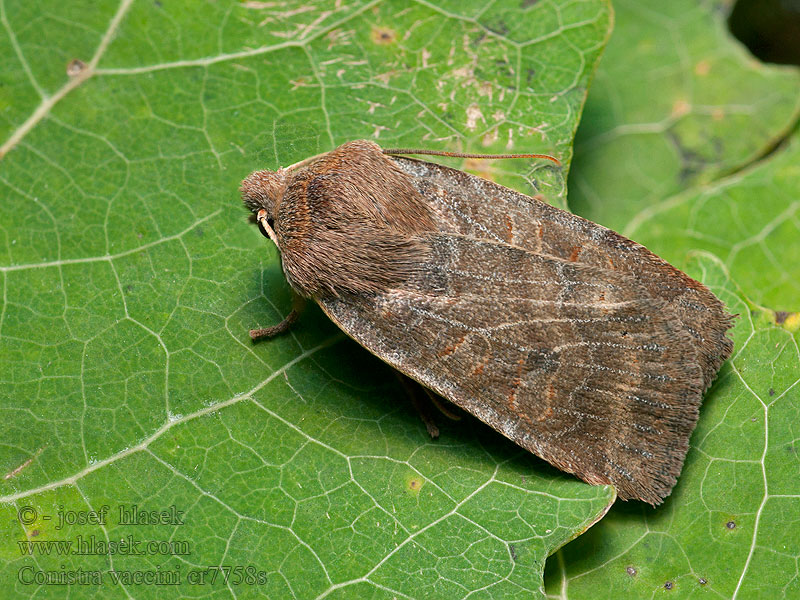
(482, 209)
(544, 367)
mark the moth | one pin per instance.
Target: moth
(576, 343)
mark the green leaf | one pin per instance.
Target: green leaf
(293, 468)
(724, 208)
(676, 103)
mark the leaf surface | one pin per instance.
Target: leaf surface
(293, 468)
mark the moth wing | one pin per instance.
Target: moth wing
(507, 216)
(572, 362)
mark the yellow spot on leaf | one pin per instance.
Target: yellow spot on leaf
(414, 484)
(680, 107)
(788, 320)
(383, 36)
(702, 68)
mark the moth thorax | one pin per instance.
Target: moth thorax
(264, 189)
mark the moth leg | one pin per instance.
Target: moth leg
(436, 400)
(298, 302)
(423, 405)
(282, 327)
(422, 408)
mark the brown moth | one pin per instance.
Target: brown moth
(576, 343)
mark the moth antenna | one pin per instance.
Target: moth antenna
(467, 154)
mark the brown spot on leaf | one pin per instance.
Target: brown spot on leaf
(75, 67)
(680, 107)
(702, 67)
(573, 255)
(383, 36)
(509, 229)
(414, 484)
(300, 82)
(17, 470)
(788, 320)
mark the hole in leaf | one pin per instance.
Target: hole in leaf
(769, 28)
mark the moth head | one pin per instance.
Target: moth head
(262, 192)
